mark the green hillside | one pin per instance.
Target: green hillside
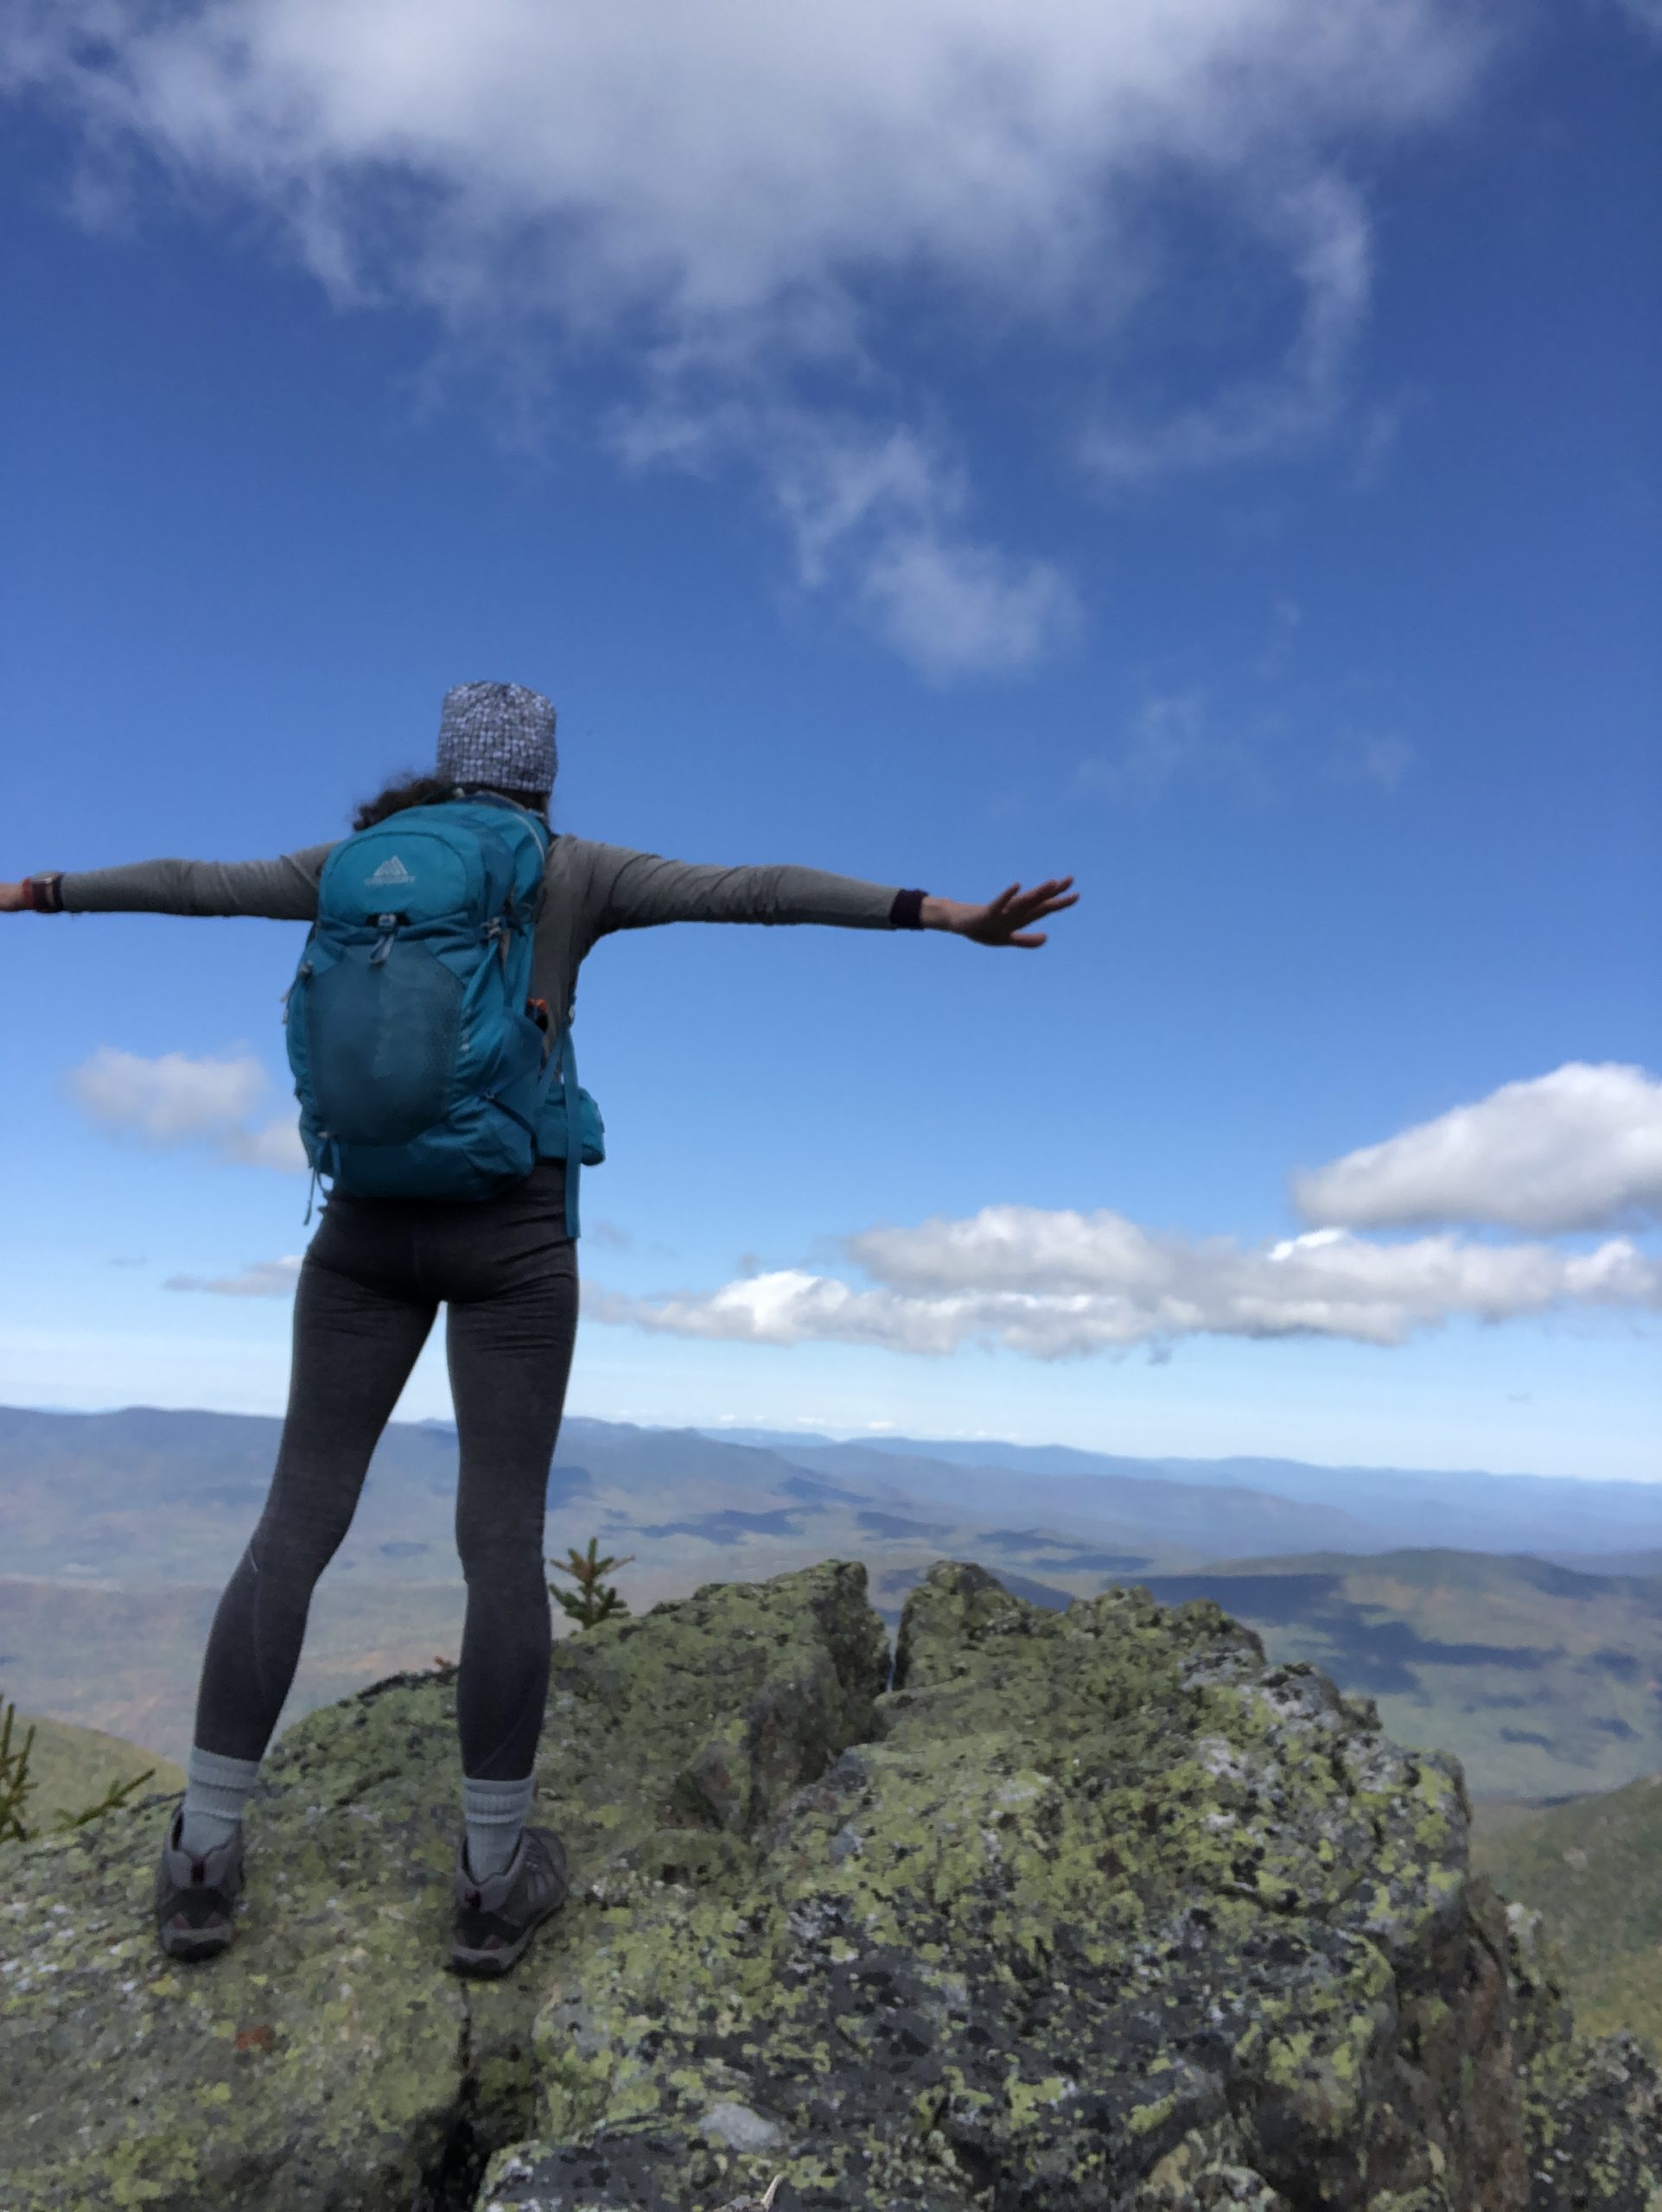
(1544, 1682)
(1594, 1868)
(127, 1661)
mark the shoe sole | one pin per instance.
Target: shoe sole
(193, 1943)
(487, 1965)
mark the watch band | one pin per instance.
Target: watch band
(45, 893)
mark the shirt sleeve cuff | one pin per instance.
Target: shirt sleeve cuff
(907, 911)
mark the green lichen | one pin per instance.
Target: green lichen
(1154, 1863)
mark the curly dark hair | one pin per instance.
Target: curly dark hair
(428, 789)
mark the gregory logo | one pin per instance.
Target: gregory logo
(391, 871)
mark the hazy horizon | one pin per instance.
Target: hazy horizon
(875, 1434)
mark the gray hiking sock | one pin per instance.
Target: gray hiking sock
(217, 1789)
(494, 1813)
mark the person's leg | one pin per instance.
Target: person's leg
(510, 1354)
(356, 1338)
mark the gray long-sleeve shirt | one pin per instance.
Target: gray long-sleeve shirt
(590, 890)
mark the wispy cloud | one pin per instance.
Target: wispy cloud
(1173, 740)
(1286, 619)
(1573, 1150)
(175, 1100)
(881, 513)
(609, 1234)
(1645, 16)
(260, 1278)
(1227, 736)
(1578, 1149)
(1322, 228)
(724, 203)
(1381, 759)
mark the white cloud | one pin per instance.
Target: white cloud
(887, 511)
(276, 1144)
(175, 1100)
(1056, 1285)
(262, 1279)
(724, 202)
(952, 607)
(171, 1099)
(1578, 1149)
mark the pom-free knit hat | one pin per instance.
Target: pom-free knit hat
(498, 734)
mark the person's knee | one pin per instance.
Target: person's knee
(514, 1565)
(293, 1550)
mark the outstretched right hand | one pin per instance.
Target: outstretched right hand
(13, 900)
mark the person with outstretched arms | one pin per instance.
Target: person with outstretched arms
(430, 1032)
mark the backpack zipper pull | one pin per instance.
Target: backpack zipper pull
(384, 945)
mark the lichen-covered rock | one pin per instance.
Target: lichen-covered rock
(1089, 1910)
(1112, 1915)
(1592, 2111)
(330, 2059)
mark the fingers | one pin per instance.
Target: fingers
(1051, 889)
(1030, 908)
(1003, 920)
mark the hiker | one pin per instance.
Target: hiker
(453, 897)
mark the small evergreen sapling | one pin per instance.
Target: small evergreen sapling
(17, 1782)
(14, 1780)
(117, 1794)
(593, 1599)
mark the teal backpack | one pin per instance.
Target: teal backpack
(423, 1066)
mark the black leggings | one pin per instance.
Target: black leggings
(369, 1290)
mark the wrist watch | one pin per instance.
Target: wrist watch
(45, 893)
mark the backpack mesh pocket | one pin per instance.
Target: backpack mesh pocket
(382, 1044)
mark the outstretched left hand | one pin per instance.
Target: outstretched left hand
(1002, 920)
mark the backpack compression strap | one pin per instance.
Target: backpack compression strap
(567, 1061)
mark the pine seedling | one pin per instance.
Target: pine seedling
(115, 1796)
(17, 1782)
(14, 1780)
(593, 1600)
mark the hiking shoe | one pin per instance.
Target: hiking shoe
(495, 1918)
(196, 1897)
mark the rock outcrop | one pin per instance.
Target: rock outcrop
(1088, 1910)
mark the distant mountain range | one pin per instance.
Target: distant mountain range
(1463, 1511)
(144, 1494)
(1530, 1643)
(123, 1463)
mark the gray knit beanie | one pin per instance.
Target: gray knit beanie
(498, 734)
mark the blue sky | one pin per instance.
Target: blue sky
(1212, 451)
